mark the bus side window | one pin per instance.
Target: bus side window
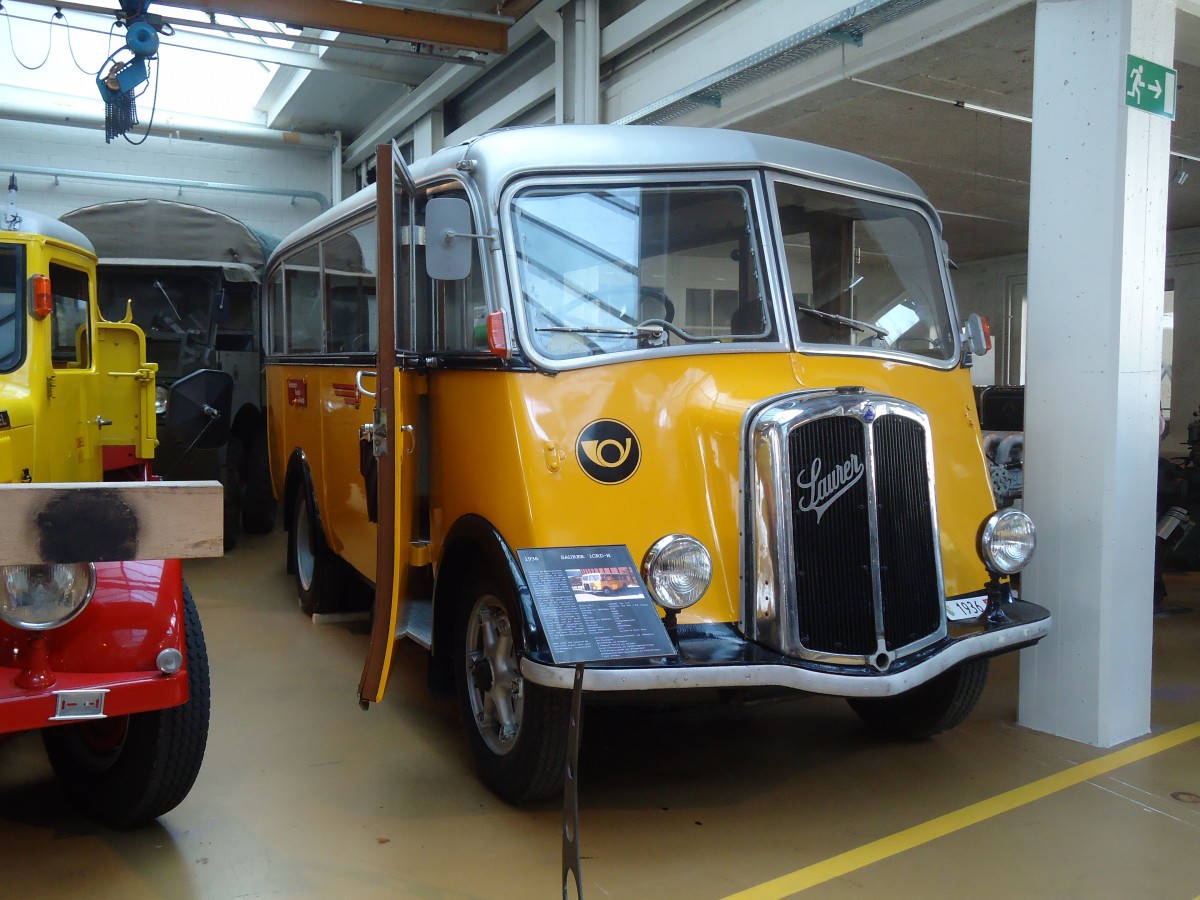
(69, 326)
(302, 286)
(276, 342)
(460, 325)
(349, 270)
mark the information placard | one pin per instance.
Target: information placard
(593, 604)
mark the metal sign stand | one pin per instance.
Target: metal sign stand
(570, 845)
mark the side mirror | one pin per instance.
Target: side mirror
(448, 238)
(979, 334)
(199, 409)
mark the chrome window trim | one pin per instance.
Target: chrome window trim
(773, 178)
(746, 179)
(767, 527)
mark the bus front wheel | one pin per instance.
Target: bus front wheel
(517, 731)
(934, 707)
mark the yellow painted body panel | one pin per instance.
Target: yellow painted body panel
(324, 425)
(72, 406)
(503, 446)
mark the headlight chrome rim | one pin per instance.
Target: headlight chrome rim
(678, 571)
(80, 586)
(1007, 541)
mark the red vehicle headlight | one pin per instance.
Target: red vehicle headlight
(41, 597)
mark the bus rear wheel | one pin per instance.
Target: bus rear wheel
(311, 561)
(517, 731)
(934, 707)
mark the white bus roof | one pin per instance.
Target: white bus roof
(501, 155)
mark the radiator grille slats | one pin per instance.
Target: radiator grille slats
(832, 543)
(832, 540)
(908, 571)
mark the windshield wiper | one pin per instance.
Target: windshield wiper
(636, 331)
(856, 324)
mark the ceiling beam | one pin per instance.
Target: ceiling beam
(414, 26)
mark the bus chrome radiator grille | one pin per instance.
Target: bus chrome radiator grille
(843, 530)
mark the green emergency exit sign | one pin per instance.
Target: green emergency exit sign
(1150, 87)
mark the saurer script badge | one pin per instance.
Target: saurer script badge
(608, 451)
(820, 491)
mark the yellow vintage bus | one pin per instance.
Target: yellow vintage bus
(736, 356)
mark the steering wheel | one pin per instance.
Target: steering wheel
(659, 296)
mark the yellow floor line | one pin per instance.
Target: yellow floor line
(851, 860)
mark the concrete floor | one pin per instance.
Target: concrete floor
(303, 795)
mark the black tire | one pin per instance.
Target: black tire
(523, 760)
(258, 499)
(930, 709)
(312, 562)
(128, 770)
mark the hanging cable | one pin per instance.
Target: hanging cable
(70, 45)
(13, 45)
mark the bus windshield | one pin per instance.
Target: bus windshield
(863, 273)
(608, 269)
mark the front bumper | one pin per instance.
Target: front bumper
(78, 697)
(717, 656)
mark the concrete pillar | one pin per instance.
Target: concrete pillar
(429, 134)
(1097, 240)
(576, 36)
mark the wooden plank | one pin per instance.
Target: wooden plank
(108, 521)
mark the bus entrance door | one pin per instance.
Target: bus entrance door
(394, 437)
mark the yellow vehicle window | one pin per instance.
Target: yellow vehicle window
(613, 269)
(302, 291)
(349, 267)
(70, 340)
(11, 314)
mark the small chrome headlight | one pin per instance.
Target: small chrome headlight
(160, 400)
(1007, 541)
(41, 597)
(678, 570)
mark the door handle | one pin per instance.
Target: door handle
(358, 381)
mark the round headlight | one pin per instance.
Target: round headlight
(42, 597)
(160, 400)
(1007, 541)
(678, 570)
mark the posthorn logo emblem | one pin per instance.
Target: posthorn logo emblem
(608, 451)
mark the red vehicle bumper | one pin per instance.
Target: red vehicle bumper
(104, 662)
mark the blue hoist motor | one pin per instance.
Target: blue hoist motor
(127, 68)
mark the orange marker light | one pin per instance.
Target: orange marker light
(497, 336)
(43, 299)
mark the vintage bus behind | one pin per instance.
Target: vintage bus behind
(736, 356)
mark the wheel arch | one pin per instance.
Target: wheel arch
(298, 478)
(472, 546)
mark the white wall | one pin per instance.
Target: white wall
(982, 287)
(38, 145)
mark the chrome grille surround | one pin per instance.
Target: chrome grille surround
(778, 597)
